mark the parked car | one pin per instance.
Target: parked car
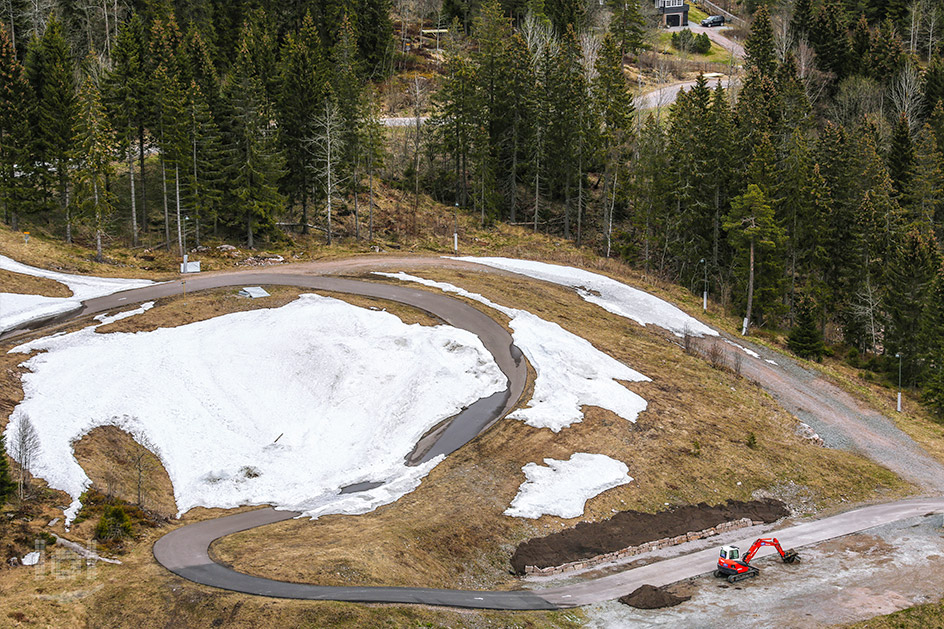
(713, 20)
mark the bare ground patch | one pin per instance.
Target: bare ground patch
(22, 284)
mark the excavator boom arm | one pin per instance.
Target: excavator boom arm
(760, 543)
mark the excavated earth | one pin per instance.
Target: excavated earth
(651, 597)
(632, 528)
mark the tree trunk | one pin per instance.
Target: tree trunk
(144, 219)
(609, 227)
(180, 241)
(370, 195)
(537, 184)
(580, 198)
(64, 199)
(750, 292)
(98, 226)
(166, 211)
(134, 210)
(357, 222)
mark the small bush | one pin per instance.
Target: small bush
(715, 355)
(114, 524)
(751, 441)
(696, 448)
(686, 41)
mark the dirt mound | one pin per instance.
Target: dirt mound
(632, 528)
(651, 597)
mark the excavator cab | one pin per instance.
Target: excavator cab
(730, 552)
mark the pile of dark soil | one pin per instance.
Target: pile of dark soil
(632, 528)
(651, 597)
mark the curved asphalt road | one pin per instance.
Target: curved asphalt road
(185, 550)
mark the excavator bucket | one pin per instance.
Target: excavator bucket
(790, 556)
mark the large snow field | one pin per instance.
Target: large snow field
(607, 293)
(276, 406)
(571, 372)
(562, 488)
(16, 309)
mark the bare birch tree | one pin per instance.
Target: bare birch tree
(326, 148)
(24, 448)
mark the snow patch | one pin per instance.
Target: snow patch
(749, 352)
(273, 406)
(605, 292)
(17, 310)
(571, 372)
(562, 488)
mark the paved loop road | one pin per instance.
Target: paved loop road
(835, 414)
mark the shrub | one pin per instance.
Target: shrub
(115, 523)
(751, 440)
(686, 41)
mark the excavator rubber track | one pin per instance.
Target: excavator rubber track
(751, 573)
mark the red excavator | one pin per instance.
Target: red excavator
(737, 568)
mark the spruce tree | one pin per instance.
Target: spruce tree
(910, 276)
(125, 85)
(829, 37)
(256, 164)
(94, 143)
(303, 80)
(752, 230)
(627, 26)
(57, 110)
(901, 157)
(203, 177)
(925, 197)
(15, 141)
(759, 53)
(7, 485)
(932, 345)
(806, 339)
(615, 104)
(801, 19)
(933, 84)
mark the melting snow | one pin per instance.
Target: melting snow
(562, 488)
(274, 406)
(607, 293)
(571, 372)
(16, 309)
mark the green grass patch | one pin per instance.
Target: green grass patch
(695, 15)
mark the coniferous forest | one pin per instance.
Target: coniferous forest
(809, 190)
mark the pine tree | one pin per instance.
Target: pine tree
(94, 142)
(348, 90)
(806, 339)
(752, 229)
(7, 485)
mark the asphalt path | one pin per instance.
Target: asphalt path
(842, 421)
